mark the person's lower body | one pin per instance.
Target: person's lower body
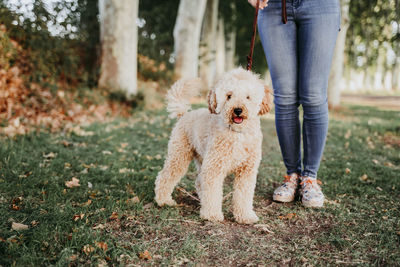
(299, 56)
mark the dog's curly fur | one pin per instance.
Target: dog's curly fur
(219, 140)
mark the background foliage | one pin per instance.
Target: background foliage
(70, 55)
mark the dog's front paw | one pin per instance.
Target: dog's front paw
(248, 218)
(168, 201)
(211, 216)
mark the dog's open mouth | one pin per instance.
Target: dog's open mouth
(237, 119)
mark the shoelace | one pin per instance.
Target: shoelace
(288, 180)
(310, 182)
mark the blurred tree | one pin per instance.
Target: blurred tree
(238, 21)
(119, 45)
(336, 74)
(156, 24)
(207, 65)
(60, 40)
(187, 37)
(373, 40)
(230, 35)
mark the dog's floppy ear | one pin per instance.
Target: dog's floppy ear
(266, 104)
(212, 101)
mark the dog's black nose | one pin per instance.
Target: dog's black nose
(237, 111)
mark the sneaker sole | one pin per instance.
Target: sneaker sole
(283, 199)
(313, 204)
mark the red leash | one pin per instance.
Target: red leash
(253, 38)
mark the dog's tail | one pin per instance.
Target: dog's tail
(178, 97)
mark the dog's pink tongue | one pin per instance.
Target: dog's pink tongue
(237, 119)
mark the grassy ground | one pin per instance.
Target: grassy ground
(111, 218)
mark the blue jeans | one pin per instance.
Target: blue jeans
(299, 56)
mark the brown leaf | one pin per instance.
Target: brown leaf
(263, 228)
(288, 216)
(126, 170)
(15, 207)
(99, 226)
(145, 255)
(102, 245)
(78, 216)
(19, 226)
(133, 200)
(114, 216)
(73, 183)
(87, 249)
(51, 155)
(348, 170)
(87, 203)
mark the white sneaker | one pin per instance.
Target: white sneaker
(311, 192)
(286, 192)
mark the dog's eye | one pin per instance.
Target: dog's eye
(248, 97)
(228, 96)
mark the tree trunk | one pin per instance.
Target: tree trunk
(396, 70)
(207, 43)
(380, 70)
(118, 34)
(230, 50)
(187, 37)
(220, 55)
(335, 77)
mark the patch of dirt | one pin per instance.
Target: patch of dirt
(391, 139)
(382, 102)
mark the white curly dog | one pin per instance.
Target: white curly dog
(224, 139)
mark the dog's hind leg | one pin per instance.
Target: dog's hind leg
(180, 154)
(198, 161)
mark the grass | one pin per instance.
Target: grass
(110, 219)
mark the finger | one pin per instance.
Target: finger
(251, 2)
(263, 4)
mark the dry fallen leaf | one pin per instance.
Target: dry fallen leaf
(348, 134)
(78, 216)
(103, 167)
(73, 183)
(348, 170)
(19, 226)
(126, 170)
(364, 177)
(263, 228)
(288, 216)
(49, 156)
(102, 245)
(99, 226)
(388, 164)
(114, 216)
(133, 200)
(87, 203)
(145, 255)
(87, 249)
(106, 152)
